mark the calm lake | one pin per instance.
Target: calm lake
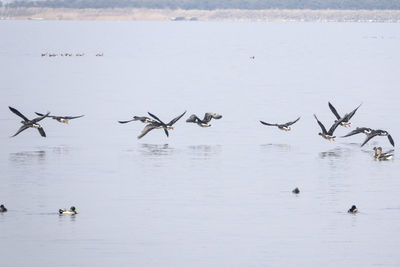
(212, 197)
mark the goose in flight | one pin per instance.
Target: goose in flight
(284, 127)
(358, 130)
(374, 133)
(62, 119)
(346, 122)
(205, 121)
(158, 124)
(26, 123)
(328, 135)
(137, 118)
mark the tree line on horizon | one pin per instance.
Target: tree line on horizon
(213, 4)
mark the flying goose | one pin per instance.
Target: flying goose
(374, 133)
(26, 123)
(328, 135)
(142, 119)
(346, 122)
(285, 127)
(158, 124)
(205, 121)
(62, 119)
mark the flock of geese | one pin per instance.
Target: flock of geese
(153, 122)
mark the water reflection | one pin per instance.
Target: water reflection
(155, 151)
(335, 153)
(204, 151)
(28, 157)
(277, 147)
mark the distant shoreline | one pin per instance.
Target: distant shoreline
(143, 14)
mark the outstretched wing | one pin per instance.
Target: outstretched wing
(390, 139)
(176, 119)
(369, 137)
(41, 114)
(40, 118)
(41, 131)
(208, 116)
(22, 128)
(18, 113)
(356, 131)
(335, 125)
(126, 121)
(320, 125)
(292, 122)
(155, 117)
(147, 129)
(192, 118)
(166, 132)
(334, 110)
(269, 124)
(72, 117)
(351, 114)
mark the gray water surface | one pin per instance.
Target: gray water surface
(218, 196)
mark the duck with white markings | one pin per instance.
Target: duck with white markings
(205, 121)
(26, 123)
(71, 211)
(353, 209)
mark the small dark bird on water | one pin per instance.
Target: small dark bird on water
(284, 127)
(26, 123)
(346, 122)
(353, 209)
(205, 121)
(158, 124)
(296, 191)
(2, 208)
(62, 119)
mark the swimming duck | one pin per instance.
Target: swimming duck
(158, 124)
(205, 121)
(374, 133)
(26, 123)
(328, 135)
(381, 156)
(71, 211)
(285, 127)
(62, 119)
(353, 209)
(296, 191)
(143, 119)
(2, 208)
(346, 122)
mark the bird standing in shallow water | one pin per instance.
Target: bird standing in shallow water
(381, 156)
(26, 123)
(205, 121)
